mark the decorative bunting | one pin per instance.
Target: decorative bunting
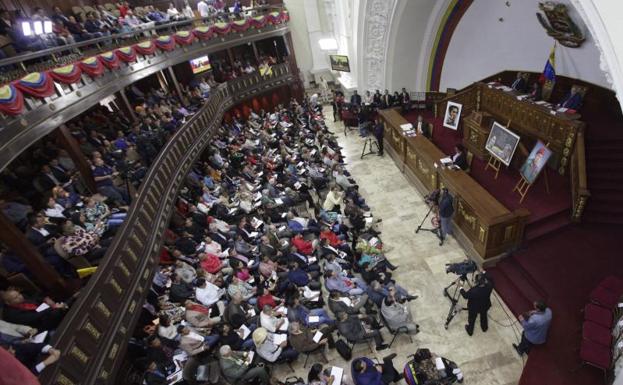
(37, 84)
(68, 74)
(110, 60)
(91, 66)
(204, 32)
(184, 37)
(222, 28)
(165, 43)
(145, 48)
(126, 54)
(11, 100)
(258, 21)
(240, 25)
(41, 84)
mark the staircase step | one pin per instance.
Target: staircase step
(541, 228)
(606, 207)
(513, 298)
(590, 217)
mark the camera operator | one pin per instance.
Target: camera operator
(379, 132)
(478, 302)
(446, 210)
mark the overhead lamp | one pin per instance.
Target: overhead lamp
(329, 44)
(38, 27)
(47, 26)
(26, 30)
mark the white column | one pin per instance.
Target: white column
(314, 29)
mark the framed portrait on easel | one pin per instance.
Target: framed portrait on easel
(453, 115)
(502, 143)
(536, 161)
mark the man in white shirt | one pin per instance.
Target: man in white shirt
(207, 293)
(203, 9)
(268, 320)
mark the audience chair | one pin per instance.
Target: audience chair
(598, 315)
(596, 355)
(395, 332)
(613, 284)
(596, 333)
(604, 297)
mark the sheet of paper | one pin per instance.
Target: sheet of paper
(446, 160)
(284, 326)
(245, 331)
(313, 319)
(346, 301)
(317, 336)
(337, 374)
(439, 363)
(311, 260)
(42, 307)
(279, 201)
(254, 234)
(279, 338)
(251, 312)
(39, 338)
(250, 355)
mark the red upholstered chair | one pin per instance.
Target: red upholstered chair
(596, 355)
(594, 332)
(599, 315)
(613, 284)
(604, 297)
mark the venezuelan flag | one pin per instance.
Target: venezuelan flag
(549, 72)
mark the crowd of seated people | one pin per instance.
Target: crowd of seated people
(270, 244)
(100, 21)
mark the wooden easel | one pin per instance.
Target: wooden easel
(523, 185)
(494, 162)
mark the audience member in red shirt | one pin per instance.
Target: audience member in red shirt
(302, 246)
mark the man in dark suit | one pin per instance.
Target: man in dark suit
(387, 100)
(376, 99)
(446, 210)
(23, 311)
(573, 100)
(478, 302)
(355, 99)
(39, 234)
(459, 158)
(520, 84)
(422, 127)
(351, 327)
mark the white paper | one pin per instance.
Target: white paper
(254, 234)
(39, 338)
(279, 201)
(250, 355)
(245, 331)
(284, 326)
(317, 336)
(439, 364)
(313, 319)
(406, 126)
(42, 307)
(251, 312)
(445, 160)
(337, 374)
(346, 301)
(311, 260)
(279, 338)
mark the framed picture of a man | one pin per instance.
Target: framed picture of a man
(537, 159)
(452, 116)
(502, 143)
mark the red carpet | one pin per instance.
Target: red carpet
(549, 212)
(559, 263)
(567, 265)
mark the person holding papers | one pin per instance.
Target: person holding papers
(34, 356)
(194, 343)
(207, 293)
(366, 372)
(459, 158)
(304, 339)
(350, 286)
(308, 317)
(237, 366)
(237, 339)
(271, 347)
(272, 321)
(350, 305)
(353, 328)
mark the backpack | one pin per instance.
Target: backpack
(343, 349)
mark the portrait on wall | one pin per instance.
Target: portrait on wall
(502, 143)
(537, 159)
(452, 116)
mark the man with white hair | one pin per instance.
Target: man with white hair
(236, 366)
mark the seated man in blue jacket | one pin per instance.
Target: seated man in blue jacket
(365, 372)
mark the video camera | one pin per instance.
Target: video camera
(461, 268)
(432, 199)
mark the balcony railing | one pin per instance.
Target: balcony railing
(41, 116)
(94, 334)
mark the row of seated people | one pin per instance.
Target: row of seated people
(364, 109)
(69, 223)
(99, 22)
(268, 221)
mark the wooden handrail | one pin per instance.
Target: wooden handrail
(579, 182)
(94, 333)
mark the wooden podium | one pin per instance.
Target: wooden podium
(476, 128)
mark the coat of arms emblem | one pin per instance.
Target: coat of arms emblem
(559, 25)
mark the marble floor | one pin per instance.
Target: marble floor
(485, 358)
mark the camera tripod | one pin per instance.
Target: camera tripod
(454, 299)
(436, 231)
(368, 144)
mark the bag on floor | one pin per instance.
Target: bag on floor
(343, 349)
